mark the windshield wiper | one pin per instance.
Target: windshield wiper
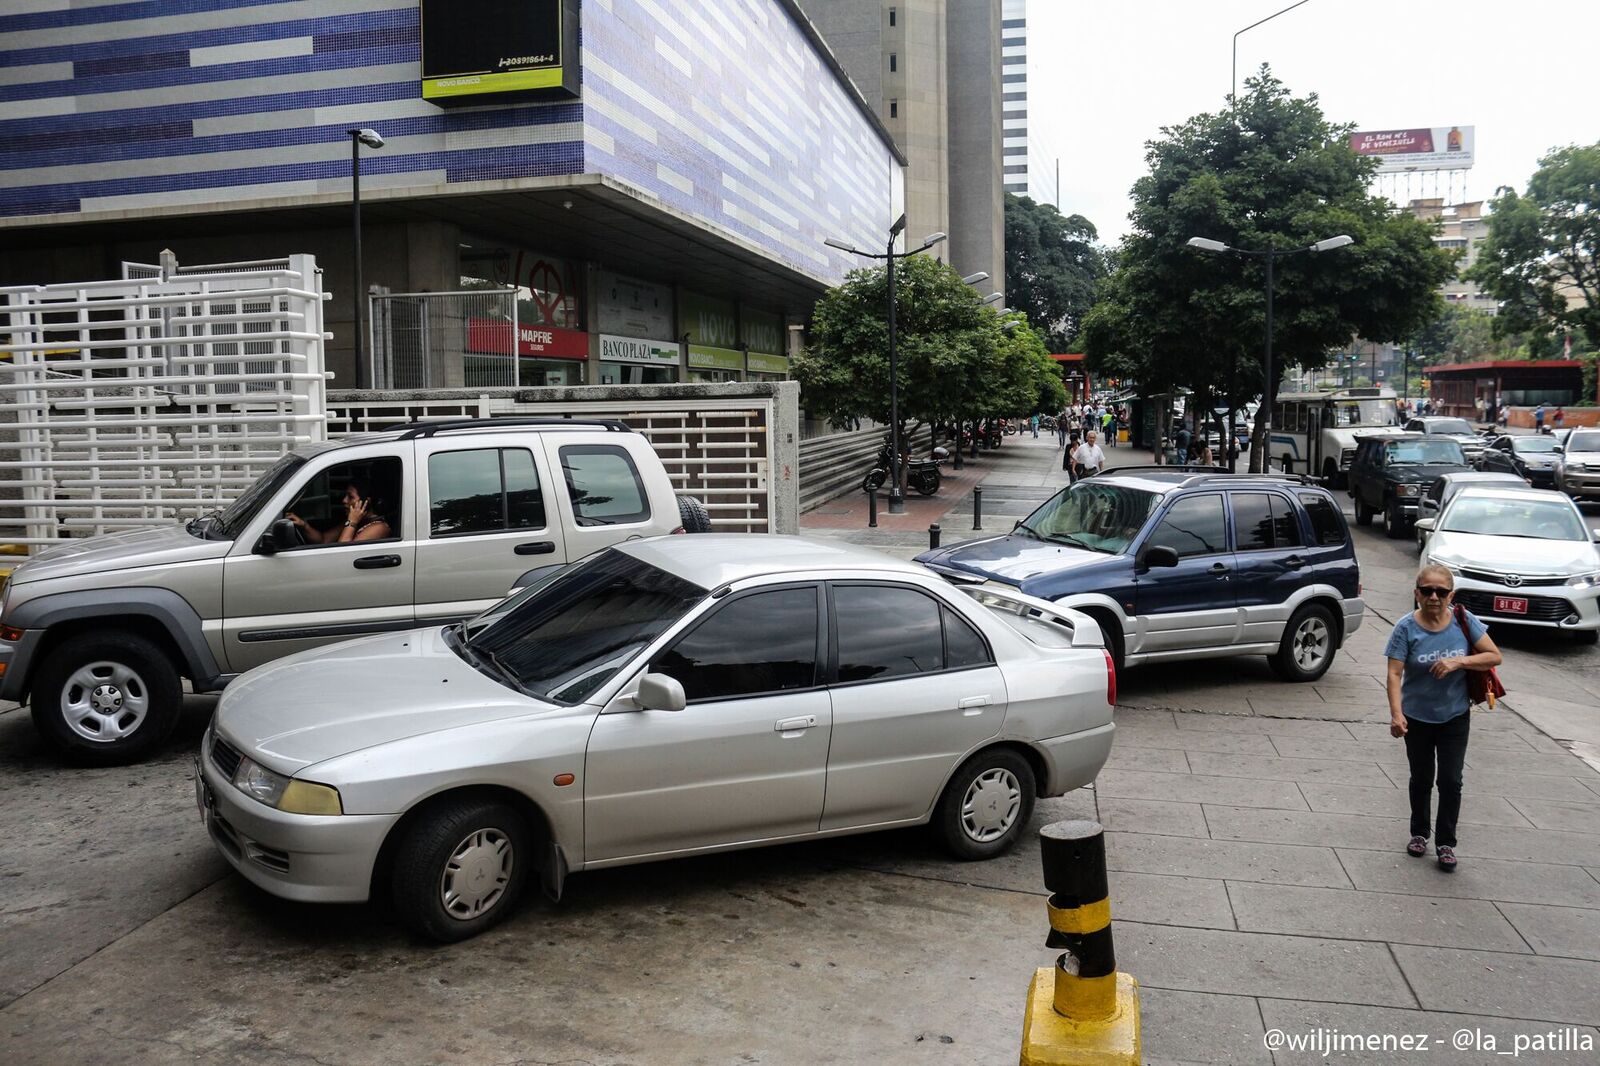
(1068, 538)
(483, 660)
(1023, 527)
(200, 526)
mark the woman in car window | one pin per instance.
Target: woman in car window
(1429, 652)
(363, 520)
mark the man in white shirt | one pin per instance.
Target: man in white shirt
(1090, 459)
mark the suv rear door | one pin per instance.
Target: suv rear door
(1271, 559)
(483, 515)
(615, 489)
(1191, 605)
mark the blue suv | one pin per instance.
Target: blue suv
(1176, 565)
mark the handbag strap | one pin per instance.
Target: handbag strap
(1461, 620)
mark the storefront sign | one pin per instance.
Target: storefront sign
(709, 321)
(544, 342)
(704, 357)
(637, 350)
(477, 48)
(632, 308)
(762, 363)
(763, 331)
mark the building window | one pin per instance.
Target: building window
(894, 62)
(891, 16)
(894, 108)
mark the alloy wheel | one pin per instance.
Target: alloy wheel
(990, 806)
(104, 701)
(1312, 640)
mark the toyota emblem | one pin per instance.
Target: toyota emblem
(1513, 580)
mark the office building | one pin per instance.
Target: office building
(1031, 167)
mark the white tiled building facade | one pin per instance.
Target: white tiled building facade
(1030, 164)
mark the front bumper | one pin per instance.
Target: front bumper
(1579, 483)
(1541, 478)
(1549, 606)
(300, 857)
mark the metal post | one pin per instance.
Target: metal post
(977, 507)
(897, 502)
(872, 508)
(363, 378)
(933, 536)
(1267, 391)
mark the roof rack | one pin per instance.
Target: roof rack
(1198, 474)
(414, 430)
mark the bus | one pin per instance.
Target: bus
(1315, 432)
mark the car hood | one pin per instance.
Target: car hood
(320, 704)
(1514, 555)
(1425, 473)
(120, 551)
(1587, 458)
(1016, 560)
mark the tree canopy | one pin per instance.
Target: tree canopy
(1053, 264)
(1274, 174)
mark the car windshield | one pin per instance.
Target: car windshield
(1584, 442)
(1451, 427)
(1425, 451)
(238, 514)
(1092, 514)
(1494, 516)
(1534, 444)
(1364, 413)
(564, 639)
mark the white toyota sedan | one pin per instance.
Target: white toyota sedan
(664, 697)
(1519, 555)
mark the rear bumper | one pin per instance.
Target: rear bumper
(1074, 759)
(1354, 611)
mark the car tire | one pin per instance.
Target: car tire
(106, 699)
(692, 515)
(1306, 650)
(874, 479)
(986, 806)
(1394, 522)
(1363, 513)
(468, 839)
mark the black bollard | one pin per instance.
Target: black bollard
(872, 508)
(977, 507)
(933, 536)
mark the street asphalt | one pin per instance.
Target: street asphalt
(1259, 889)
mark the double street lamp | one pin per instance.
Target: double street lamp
(897, 499)
(1269, 256)
(373, 140)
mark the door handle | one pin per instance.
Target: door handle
(377, 562)
(1294, 562)
(536, 547)
(1218, 568)
(972, 705)
(794, 725)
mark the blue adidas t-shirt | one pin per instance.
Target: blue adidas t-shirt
(1423, 696)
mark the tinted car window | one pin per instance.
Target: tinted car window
(604, 484)
(1252, 521)
(483, 490)
(766, 642)
(321, 500)
(886, 632)
(1327, 527)
(963, 646)
(1193, 526)
(1584, 442)
(1285, 524)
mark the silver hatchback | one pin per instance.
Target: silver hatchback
(664, 697)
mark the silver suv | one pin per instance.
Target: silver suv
(382, 532)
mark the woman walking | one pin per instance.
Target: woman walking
(1429, 653)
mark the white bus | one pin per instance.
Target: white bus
(1315, 432)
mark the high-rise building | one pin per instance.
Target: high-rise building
(1031, 168)
(932, 70)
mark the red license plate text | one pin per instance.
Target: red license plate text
(1510, 605)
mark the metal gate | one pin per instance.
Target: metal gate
(142, 401)
(442, 340)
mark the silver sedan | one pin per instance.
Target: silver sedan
(665, 697)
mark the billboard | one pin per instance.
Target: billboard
(477, 48)
(1429, 148)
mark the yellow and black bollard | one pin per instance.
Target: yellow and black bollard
(1081, 1012)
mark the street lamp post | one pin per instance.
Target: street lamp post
(1269, 256)
(897, 499)
(371, 139)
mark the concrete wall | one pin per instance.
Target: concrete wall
(977, 208)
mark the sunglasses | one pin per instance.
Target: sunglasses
(1434, 590)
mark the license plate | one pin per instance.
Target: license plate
(1510, 605)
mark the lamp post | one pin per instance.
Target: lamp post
(1252, 26)
(1269, 256)
(897, 499)
(371, 139)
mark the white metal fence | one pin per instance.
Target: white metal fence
(442, 340)
(141, 401)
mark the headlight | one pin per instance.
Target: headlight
(286, 794)
(1408, 491)
(1452, 565)
(1583, 581)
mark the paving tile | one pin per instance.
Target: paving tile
(1513, 786)
(1503, 740)
(1256, 964)
(1392, 802)
(1274, 768)
(1326, 712)
(1167, 899)
(1571, 932)
(1189, 740)
(1143, 718)
(1127, 755)
(1496, 879)
(1232, 860)
(1352, 750)
(1194, 788)
(1578, 816)
(1343, 914)
(1533, 762)
(1508, 986)
(1289, 727)
(1161, 817)
(1348, 1021)
(1199, 1027)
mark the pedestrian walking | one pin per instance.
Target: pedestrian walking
(1033, 421)
(1069, 460)
(1429, 653)
(1091, 460)
(1559, 419)
(1061, 427)
(1538, 419)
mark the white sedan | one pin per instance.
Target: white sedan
(664, 697)
(1519, 555)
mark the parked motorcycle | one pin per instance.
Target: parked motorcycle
(922, 475)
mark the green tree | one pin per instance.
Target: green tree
(1461, 335)
(1275, 173)
(1053, 264)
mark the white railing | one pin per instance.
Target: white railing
(142, 401)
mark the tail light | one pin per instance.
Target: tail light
(680, 529)
(1111, 680)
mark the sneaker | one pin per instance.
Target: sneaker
(1418, 847)
(1447, 857)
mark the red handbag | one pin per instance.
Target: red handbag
(1483, 686)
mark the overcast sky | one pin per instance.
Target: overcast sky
(1108, 76)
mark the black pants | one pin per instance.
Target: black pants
(1447, 741)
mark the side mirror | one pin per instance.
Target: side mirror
(1426, 525)
(658, 692)
(280, 535)
(1160, 555)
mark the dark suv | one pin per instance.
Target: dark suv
(1391, 471)
(1179, 565)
